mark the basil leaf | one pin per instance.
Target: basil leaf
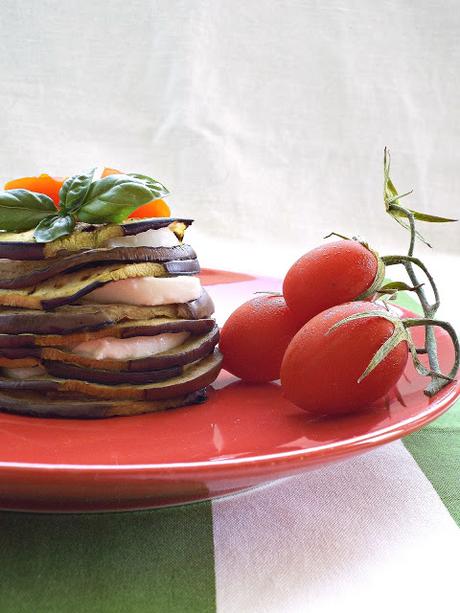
(54, 227)
(22, 210)
(158, 189)
(74, 190)
(113, 198)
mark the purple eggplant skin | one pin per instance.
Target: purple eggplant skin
(182, 267)
(40, 322)
(70, 406)
(78, 318)
(18, 353)
(11, 341)
(153, 223)
(62, 370)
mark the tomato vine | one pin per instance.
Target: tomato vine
(400, 213)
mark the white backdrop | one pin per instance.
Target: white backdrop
(265, 118)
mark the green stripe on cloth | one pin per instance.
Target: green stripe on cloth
(158, 561)
(436, 448)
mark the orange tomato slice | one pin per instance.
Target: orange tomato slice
(109, 171)
(43, 184)
(156, 208)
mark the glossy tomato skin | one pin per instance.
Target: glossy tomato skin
(320, 371)
(331, 274)
(255, 336)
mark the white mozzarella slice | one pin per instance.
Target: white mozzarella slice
(24, 373)
(147, 291)
(163, 237)
(130, 348)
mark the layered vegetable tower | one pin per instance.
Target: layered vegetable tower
(109, 319)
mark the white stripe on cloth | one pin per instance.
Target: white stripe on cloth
(368, 534)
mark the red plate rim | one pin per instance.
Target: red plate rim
(328, 451)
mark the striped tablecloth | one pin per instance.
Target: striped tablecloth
(378, 532)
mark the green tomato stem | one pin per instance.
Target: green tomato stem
(405, 260)
(429, 310)
(445, 325)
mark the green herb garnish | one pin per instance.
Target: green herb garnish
(108, 200)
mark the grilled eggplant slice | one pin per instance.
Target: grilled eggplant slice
(71, 319)
(77, 406)
(18, 274)
(194, 377)
(21, 246)
(63, 370)
(70, 287)
(194, 348)
(127, 329)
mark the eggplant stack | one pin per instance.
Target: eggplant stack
(108, 320)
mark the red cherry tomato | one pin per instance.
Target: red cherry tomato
(320, 371)
(254, 338)
(331, 274)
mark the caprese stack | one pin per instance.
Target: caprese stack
(109, 319)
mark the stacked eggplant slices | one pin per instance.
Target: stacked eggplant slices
(109, 319)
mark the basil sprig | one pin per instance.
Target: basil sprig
(108, 200)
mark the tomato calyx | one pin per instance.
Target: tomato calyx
(376, 286)
(401, 334)
(391, 288)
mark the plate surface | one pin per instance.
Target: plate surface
(245, 435)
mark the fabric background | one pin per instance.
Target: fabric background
(265, 118)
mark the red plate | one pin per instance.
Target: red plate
(243, 436)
